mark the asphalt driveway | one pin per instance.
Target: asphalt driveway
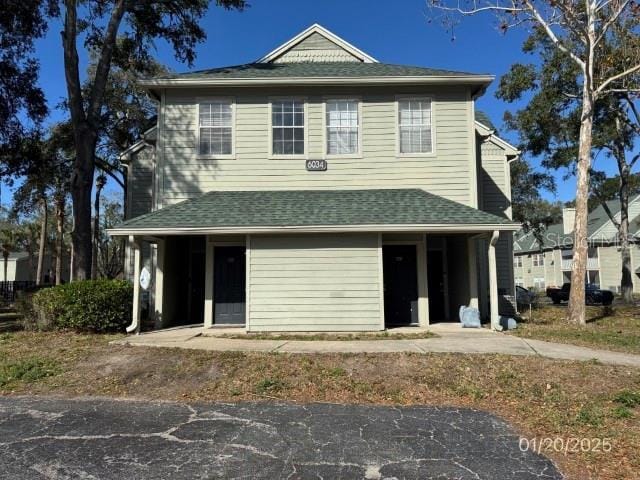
(108, 439)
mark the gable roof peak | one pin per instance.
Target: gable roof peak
(317, 29)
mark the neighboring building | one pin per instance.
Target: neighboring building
(18, 268)
(317, 189)
(22, 268)
(546, 262)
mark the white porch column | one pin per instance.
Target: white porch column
(493, 281)
(423, 288)
(159, 282)
(137, 266)
(208, 285)
(473, 272)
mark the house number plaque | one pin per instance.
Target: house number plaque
(316, 165)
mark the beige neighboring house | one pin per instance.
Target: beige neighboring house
(18, 268)
(318, 189)
(547, 263)
(22, 268)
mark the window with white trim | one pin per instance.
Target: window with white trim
(215, 124)
(538, 259)
(287, 127)
(519, 282)
(342, 127)
(415, 126)
(538, 283)
(517, 261)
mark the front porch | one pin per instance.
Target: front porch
(420, 280)
(319, 260)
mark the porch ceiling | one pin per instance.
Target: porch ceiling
(314, 211)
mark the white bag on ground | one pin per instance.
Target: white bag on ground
(469, 317)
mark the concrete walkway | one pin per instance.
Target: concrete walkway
(450, 339)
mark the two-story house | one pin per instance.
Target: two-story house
(546, 259)
(318, 189)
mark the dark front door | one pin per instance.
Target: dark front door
(229, 285)
(435, 282)
(400, 271)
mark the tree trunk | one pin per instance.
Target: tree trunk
(624, 171)
(43, 240)
(60, 206)
(576, 309)
(81, 188)
(626, 281)
(96, 232)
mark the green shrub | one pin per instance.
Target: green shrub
(85, 306)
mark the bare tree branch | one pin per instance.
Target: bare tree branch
(620, 75)
(613, 19)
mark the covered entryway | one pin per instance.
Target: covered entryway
(229, 285)
(319, 269)
(400, 272)
(436, 282)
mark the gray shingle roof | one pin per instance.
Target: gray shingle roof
(313, 69)
(484, 119)
(554, 235)
(299, 208)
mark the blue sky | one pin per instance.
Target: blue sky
(392, 32)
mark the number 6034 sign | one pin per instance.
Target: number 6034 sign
(316, 165)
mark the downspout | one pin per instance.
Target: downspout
(493, 281)
(135, 317)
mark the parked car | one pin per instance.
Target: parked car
(524, 296)
(593, 294)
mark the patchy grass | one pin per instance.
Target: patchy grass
(386, 335)
(612, 328)
(542, 398)
(26, 370)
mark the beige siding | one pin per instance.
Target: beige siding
(140, 182)
(495, 179)
(495, 197)
(314, 283)
(610, 268)
(635, 267)
(554, 272)
(551, 271)
(446, 173)
(11, 271)
(316, 48)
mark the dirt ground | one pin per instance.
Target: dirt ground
(542, 398)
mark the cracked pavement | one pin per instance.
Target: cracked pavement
(53, 438)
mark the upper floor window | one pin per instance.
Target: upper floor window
(287, 124)
(517, 261)
(215, 125)
(342, 127)
(415, 126)
(538, 259)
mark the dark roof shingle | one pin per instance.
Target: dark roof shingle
(553, 236)
(299, 208)
(313, 69)
(483, 118)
